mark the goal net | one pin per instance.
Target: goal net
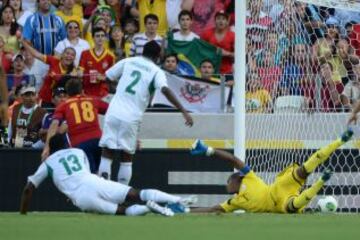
(302, 79)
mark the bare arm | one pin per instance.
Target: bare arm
(33, 51)
(187, 5)
(172, 98)
(51, 132)
(223, 155)
(26, 197)
(214, 209)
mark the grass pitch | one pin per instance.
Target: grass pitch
(66, 226)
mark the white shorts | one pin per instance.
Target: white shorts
(119, 135)
(99, 195)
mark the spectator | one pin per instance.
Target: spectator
(130, 29)
(326, 48)
(116, 6)
(170, 63)
(72, 40)
(34, 67)
(58, 96)
(351, 93)
(205, 10)
(349, 27)
(151, 22)
(331, 90)
(173, 8)
(3, 99)
(20, 14)
(93, 64)
(44, 29)
(16, 76)
(222, 37)
(8, 28)
(257, 23)
(95, 21)
(26, 120)
(269, 73)
(5, 56)
(69, 13)
(108, 14)
(58, 68)
(157, 8)
(207, 69)
(296, 78)
(258, 99)
(342, 59)
(313, 21)
(185, 22)
(116, 43)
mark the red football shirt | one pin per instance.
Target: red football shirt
(81, 115)
(92, 65)
(227, 43)
(53, 76)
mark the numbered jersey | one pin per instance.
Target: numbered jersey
(137, 77)
(68, 168)
(81, 115)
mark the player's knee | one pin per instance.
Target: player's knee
(133, 195)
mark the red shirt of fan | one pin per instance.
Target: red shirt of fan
(92, 65)
(53, 76)
(81, 115)
(227, 43)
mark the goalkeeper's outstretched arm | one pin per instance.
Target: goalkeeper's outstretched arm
(200, 148)
(214, 209)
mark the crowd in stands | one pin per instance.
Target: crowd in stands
(297, 53)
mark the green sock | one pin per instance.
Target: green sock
(305, 197)
(321, 155)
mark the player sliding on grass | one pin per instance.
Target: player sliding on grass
(69, 169)
(282, 196)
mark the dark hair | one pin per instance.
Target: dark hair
(207, 60)
(57, 142)
(185, 13)
(151, 16)
(13, 26)
(97, 29)
(73, 86)
(174, 55)
(152, 50)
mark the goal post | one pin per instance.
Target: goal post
(297, 73)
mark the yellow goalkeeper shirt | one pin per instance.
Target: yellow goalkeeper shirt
(253, 196)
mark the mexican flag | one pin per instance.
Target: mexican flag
(196, 95)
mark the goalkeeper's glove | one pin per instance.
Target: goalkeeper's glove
(200, 148)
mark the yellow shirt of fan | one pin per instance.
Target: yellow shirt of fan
(158, 8)
(253, 196)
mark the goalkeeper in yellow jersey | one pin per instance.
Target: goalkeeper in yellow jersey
(283, 195)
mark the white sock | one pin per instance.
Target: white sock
(105, 166)
(136, 210)
(158, 196)
(125, 172)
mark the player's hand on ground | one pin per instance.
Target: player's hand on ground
(45, 153)
(188, 119)
(198, 148)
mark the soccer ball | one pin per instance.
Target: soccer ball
(327, 204)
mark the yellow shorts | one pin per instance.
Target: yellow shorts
(285, 187)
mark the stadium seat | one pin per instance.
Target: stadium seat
(290, 104)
